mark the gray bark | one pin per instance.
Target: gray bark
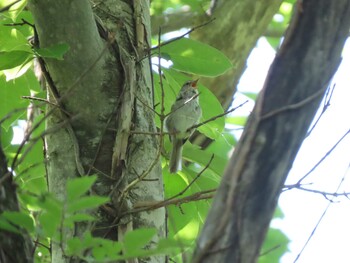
(296, 82)
(100, 83)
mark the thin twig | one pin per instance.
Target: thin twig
(293, 106)
(324, 157)
(179, 37)
(194, 179)
(45, 101)
(170, 201)
(323, 193)
(208, 194)
(269, 250)
(326, 105)
(216, 117)
(320, 219)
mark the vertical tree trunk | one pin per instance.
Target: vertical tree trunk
(101, 87)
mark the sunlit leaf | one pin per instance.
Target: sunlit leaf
(13, 106)
(11, 59)
(237, 120)
(197, 58)
(13, 39)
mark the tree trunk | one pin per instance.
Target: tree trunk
(101, 87)
(295, 85)
(13, 247)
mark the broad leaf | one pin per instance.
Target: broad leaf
(5, 225)
(138, 238)
(11, 59)
(20, 219)
(78, 186)
(56, 51)
(86, 202)
(197, 58)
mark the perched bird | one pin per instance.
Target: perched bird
(185, 113)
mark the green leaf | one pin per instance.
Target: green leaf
(50, 224)
(86, 202)
(11, 59)
(237, 120)
(278, 26)
(194, 154)
(78, 186)
(170, 245)
(13, 39)
(80, 217)
(5, 225)
(13, 106)
(16, 9)
(197, 58)
(20, 219)
(251, 95)
(50, 204)
(278, 213)
(99, 253)
(74, 246)
(275, 245)
(56, 51)
(182, 216)
(223, 145)
(138, 238)
(6, 137)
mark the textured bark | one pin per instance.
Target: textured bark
(81, 82)
(297, 79)
(13, 247)
(100, 79)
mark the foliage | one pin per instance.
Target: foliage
(44, 216)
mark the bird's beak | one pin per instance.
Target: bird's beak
(194, 83)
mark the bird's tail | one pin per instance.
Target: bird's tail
(176, 155)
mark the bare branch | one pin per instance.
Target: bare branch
(320, 219)
(323, 158)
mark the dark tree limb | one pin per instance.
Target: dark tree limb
(247, 197)
(13, 247)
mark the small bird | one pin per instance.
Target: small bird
(185, 113)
